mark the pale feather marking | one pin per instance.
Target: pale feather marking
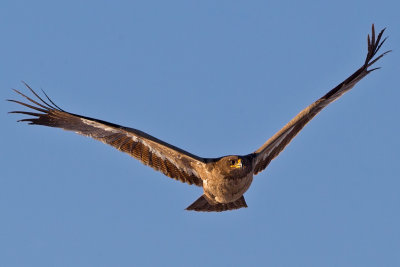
(136, 139)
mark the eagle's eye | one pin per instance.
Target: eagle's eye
(232, 162)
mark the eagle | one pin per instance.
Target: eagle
(224, 179)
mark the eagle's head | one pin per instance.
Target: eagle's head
(234, 166)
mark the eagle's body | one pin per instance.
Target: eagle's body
(225, 179)
(222, 184)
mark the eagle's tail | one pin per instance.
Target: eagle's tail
(202, 204)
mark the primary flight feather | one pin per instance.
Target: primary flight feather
(225, 179)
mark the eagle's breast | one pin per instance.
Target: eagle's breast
(227, 190)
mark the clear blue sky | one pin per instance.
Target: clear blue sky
(214, 78)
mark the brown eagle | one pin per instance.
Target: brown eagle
(225, 179)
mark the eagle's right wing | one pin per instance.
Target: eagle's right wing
(161, 156)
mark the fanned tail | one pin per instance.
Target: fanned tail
(202, 204)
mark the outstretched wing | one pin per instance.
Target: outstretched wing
(161, 156)
(270, 149)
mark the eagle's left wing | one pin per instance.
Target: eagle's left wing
(159, 155)
(271, 149)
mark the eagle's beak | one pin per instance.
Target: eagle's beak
(238, 164)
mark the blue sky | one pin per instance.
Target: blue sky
(214, 78)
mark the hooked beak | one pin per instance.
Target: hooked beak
(238, 164)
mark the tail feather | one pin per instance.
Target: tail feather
(202, 204)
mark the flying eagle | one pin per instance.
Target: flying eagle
(225, 179)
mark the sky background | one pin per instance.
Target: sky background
(214, 78)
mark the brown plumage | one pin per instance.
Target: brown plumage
(224, 180)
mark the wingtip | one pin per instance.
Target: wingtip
(24, 83)
(374, 45)
(15, 90)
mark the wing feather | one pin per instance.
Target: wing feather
(271, 149)
(161, 156)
